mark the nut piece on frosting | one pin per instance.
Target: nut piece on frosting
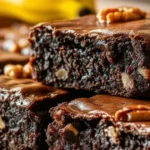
(135, 113)
(122, 14)
(14, 71)
(27, 70)
(18, 71)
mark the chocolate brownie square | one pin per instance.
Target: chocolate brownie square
(101, 122)
(83, 54)
(24, 113)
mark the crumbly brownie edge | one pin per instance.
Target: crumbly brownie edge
(23, 129)
(96, 62)
(98, 131)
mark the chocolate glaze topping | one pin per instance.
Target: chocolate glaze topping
(107, 103)
(133, 28)
(28, 91)
(12, 58)
(104, 103)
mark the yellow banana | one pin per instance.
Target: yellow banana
(34, 11)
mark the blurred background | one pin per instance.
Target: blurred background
(35, 11)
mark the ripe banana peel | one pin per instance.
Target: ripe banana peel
(35, 11)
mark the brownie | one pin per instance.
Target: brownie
(14, 39)
(83, 54)
(24, 113)
(14, 45)
(101, 122)
(11, 58)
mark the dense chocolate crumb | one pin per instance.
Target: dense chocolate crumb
(24, 112)
(89, 124)
(82, 54)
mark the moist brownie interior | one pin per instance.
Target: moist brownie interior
(83, 54)
(23, 117)
(24, 111)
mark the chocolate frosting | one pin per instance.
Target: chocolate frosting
(90, 25)
(104, 103)
(27, 91)
(12, 58)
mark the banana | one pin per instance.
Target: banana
(35, 11)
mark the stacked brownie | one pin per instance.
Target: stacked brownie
(14, 46)
(68, 58)
(83, 54)
(90, 124)
(104, 58)
(25, 103)
(24, 112)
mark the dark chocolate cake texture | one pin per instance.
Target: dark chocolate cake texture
(78, 54)
(83, 54)
(24, 112)
(101, 122)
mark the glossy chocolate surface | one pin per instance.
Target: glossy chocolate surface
(105, 104)
(12, 58)
(28, 91)
(89, 24)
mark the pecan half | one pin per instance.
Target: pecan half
(121, 14)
